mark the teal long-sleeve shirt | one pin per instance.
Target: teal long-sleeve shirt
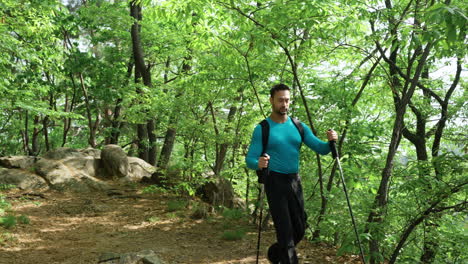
(283, 146)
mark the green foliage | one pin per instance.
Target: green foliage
(233, 235)
(233, 214)
(199, 210)
(23, 219)
(4, 187)
(8, 221)
(6, 238)
(154, 189)
(153, 219)
(176, 205)
(4, 205)
(209, 60)
(232, 229)
(172, 215)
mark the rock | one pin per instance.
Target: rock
(75, 172)
(109, 257)
(95, 153)
(84, 164)
(138, 169)
(219, 191)
(142, 257)
(78, 170)
(83, 184)
(115, 161)
(62, 153)
(239, 203)
(21, 162)
(22, 179)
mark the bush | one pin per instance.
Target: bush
(4, 205)
(23, 219)
(6, 237)
(233, 214)
(8, 221)
(154, 189)
(4, 187)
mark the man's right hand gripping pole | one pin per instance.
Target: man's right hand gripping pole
(263, 161)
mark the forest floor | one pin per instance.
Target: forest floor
(78, 228)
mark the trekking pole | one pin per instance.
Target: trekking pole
(337, 159)
(262, 192)
(260, 221)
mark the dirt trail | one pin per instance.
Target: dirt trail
(70, 228)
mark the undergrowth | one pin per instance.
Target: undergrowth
(233, 230)
(8, 219)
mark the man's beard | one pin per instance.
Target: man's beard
(283, 111)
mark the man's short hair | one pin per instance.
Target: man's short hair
(278, 87)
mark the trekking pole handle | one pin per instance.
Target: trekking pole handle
(333, 147)
(265, 155)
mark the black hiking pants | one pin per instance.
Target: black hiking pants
(286, 202)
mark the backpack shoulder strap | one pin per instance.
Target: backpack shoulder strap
(265, 134)
(299, 127)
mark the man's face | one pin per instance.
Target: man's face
(280, 102)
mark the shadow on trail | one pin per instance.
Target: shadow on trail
(77, 228)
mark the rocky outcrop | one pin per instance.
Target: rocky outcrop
(19, 162)
(72, 169)
(115, 161)
(139, 169)
(22, 179)
(218, 191)
(65, 168)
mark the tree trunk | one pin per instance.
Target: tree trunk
(45, 125)
(141, 142)
(135, 12)
(402, 95)
(431, 243)
(66, 123)
(223, 148)
(92, 131)
(169, 138)
(35, 137)
(146, 150)
(168, 145)
(115, 123)
(45, 122)
(25, 135)
(69, 106)
(444, 114)
(377, 213)
(152, 148)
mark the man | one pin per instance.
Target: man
(282, 184)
